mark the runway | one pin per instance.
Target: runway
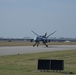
(13, 50)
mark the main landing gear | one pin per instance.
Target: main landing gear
(37, 43)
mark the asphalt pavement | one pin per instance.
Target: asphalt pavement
(13, 50)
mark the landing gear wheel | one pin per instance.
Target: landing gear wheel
(33, 45)
(46, 45)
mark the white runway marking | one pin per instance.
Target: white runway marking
(29, 49)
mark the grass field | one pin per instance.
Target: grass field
(24, 43)
(26, 64)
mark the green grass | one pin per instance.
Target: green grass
(26, 64)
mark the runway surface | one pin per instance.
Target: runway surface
(29, 49)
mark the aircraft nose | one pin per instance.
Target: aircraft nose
(35, 39)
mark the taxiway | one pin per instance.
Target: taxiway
(13, 50)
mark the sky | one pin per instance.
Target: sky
(19, 17)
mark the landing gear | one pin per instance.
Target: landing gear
(34, 44)
(37, 43)
(45, 44)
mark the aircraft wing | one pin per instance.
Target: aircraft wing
(51, 34)
(34, 33)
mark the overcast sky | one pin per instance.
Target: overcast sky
(19, 17)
